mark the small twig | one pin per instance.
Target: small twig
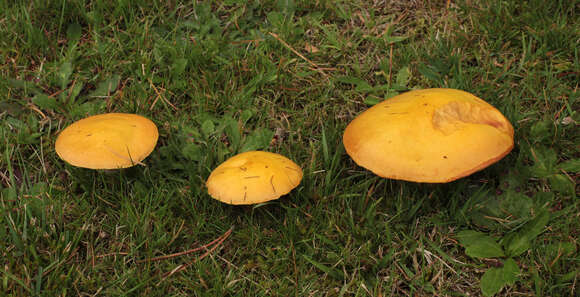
(255, 41)
(37, 110)
(297, 53)
(159, 95)
(182, 267)
(154, 102)
(203, 247)
(71, 90)
(557, 257)
(499, 220)
(427, 254)
(177, 233)
(56, 93)
(296, 278)
(112, 254)
(5, 178)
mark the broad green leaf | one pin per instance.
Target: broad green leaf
(492, 281)
(258, 139)
(11, 108)
(536, 226)
(516, 244)
(25, 85)
(495, 279)
(430, 73)
(479, 245)
(562, 184)
(366, 88)
(9, 193)
(178, 66)
(74, 32)
(516, 204)
(486, 248)
(570, 276)
(232, 130)
(403, 76)
(335, 273)
(28, 138)
(541, 198)
(70, 95)
(541, 130)
(510, 271)
(570, 165)
(64, 73)
(372, 101)
(207, 127)
(469, 237)
(44, 102)
(391, 93)
(192, 152)
(287, 7)
(567, 248)
(359, 83)
(246, 115)
(39, 188)
(275, 18)
(189, 133)
(544, 161)
(87, 108)
(106, 87)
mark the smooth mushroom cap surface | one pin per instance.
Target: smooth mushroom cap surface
(431, 135)
(107, 141)
(253, 177)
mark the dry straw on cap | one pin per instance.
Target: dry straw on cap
(253, 177)
(107, 141)
(432, 135)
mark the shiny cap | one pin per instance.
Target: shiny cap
(431, 135)
(107, 141)
(253, 177)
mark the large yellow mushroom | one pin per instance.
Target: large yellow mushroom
(253, 177)
(107, 141)
(432, 135)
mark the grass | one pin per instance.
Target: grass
(219, 77)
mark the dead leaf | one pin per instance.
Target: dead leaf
(311, 48)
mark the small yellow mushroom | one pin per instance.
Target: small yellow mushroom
(253, 177)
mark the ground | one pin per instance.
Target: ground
(222, 77)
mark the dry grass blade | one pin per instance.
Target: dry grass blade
(203, 247)
(297, 53)
(159, 95)
(218, 241)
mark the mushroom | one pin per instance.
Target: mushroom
(107, 141)
(253, 177)
(431, 135)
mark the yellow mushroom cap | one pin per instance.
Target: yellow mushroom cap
(253, 177)
(431, 135)
(107, 141)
